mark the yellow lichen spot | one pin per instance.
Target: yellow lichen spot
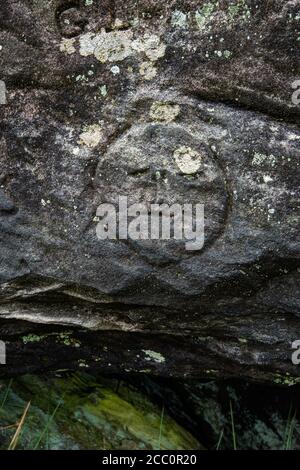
(148, 71)
(151, 46)
(164, 112)
(91, 136)
(118, 45)
(188, 160)
(67, 46)
(114, 46)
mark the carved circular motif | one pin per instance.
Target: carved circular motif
(163, 163)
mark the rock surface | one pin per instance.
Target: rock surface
(165, 102)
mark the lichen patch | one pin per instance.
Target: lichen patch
(148, 71)
(260, 159)
(116, 46)
(151, 46)
(67, 46)
(203, 15)
(91, 136)
(179, 19)
(154, 356)
(164, 112)
(188, 160)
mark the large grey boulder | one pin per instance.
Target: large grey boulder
(114, 98)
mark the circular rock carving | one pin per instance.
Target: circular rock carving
(164, 164)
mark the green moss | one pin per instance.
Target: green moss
(87, 414)
(67, 340)
(32, 339)
(63, 338)
(286, 379)
(138, 417)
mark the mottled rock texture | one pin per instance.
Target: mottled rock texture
(108, 98)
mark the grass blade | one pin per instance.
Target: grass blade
(161, 426)
(220, 440)
(47, 426)
(233, 428)
(290, 428)
(6, 394)
(15, 439)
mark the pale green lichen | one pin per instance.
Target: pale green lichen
(154, 356)
(236, 10)
(103, 90)
(261, 158)
(189, 161)
(67, 340)
(164, 112)
(81, 78)
(227, 54)
(115, 70)
(286, 379)
(239, 9)
(64, 338)
(32, 339)
(91, 136)
(203, 15)
(179, 19)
